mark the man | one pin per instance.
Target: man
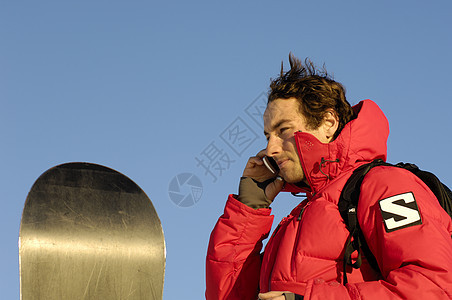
(317, 139)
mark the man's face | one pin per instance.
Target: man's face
(281, 120)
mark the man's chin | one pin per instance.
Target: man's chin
(291, 179)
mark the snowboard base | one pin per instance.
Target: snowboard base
(89, 232)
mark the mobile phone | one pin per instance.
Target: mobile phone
(271, 164)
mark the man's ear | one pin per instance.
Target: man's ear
(330, 124)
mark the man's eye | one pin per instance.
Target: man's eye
(283, 129)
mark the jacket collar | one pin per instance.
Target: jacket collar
(362, 139)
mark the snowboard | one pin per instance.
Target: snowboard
(89, 232)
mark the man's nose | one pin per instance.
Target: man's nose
(273, 146)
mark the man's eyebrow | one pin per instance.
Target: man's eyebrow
(277, 124)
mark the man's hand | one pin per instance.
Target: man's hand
(256, 170)
(272, 296)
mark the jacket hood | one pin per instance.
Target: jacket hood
(361, 140)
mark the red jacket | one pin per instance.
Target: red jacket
(412, 245)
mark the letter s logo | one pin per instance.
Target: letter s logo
(400, 211)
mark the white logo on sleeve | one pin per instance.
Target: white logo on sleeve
(400, 211)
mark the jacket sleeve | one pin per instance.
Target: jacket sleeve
(233, 256)
(410, 236)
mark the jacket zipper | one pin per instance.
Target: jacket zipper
(301, 212)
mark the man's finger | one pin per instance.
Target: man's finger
(274, 188)
(261, 153)
(275, 295)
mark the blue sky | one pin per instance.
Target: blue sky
(151, 88)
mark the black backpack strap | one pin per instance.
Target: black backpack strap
(441, 191)
(348, 207)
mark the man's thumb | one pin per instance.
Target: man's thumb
(274, 188)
